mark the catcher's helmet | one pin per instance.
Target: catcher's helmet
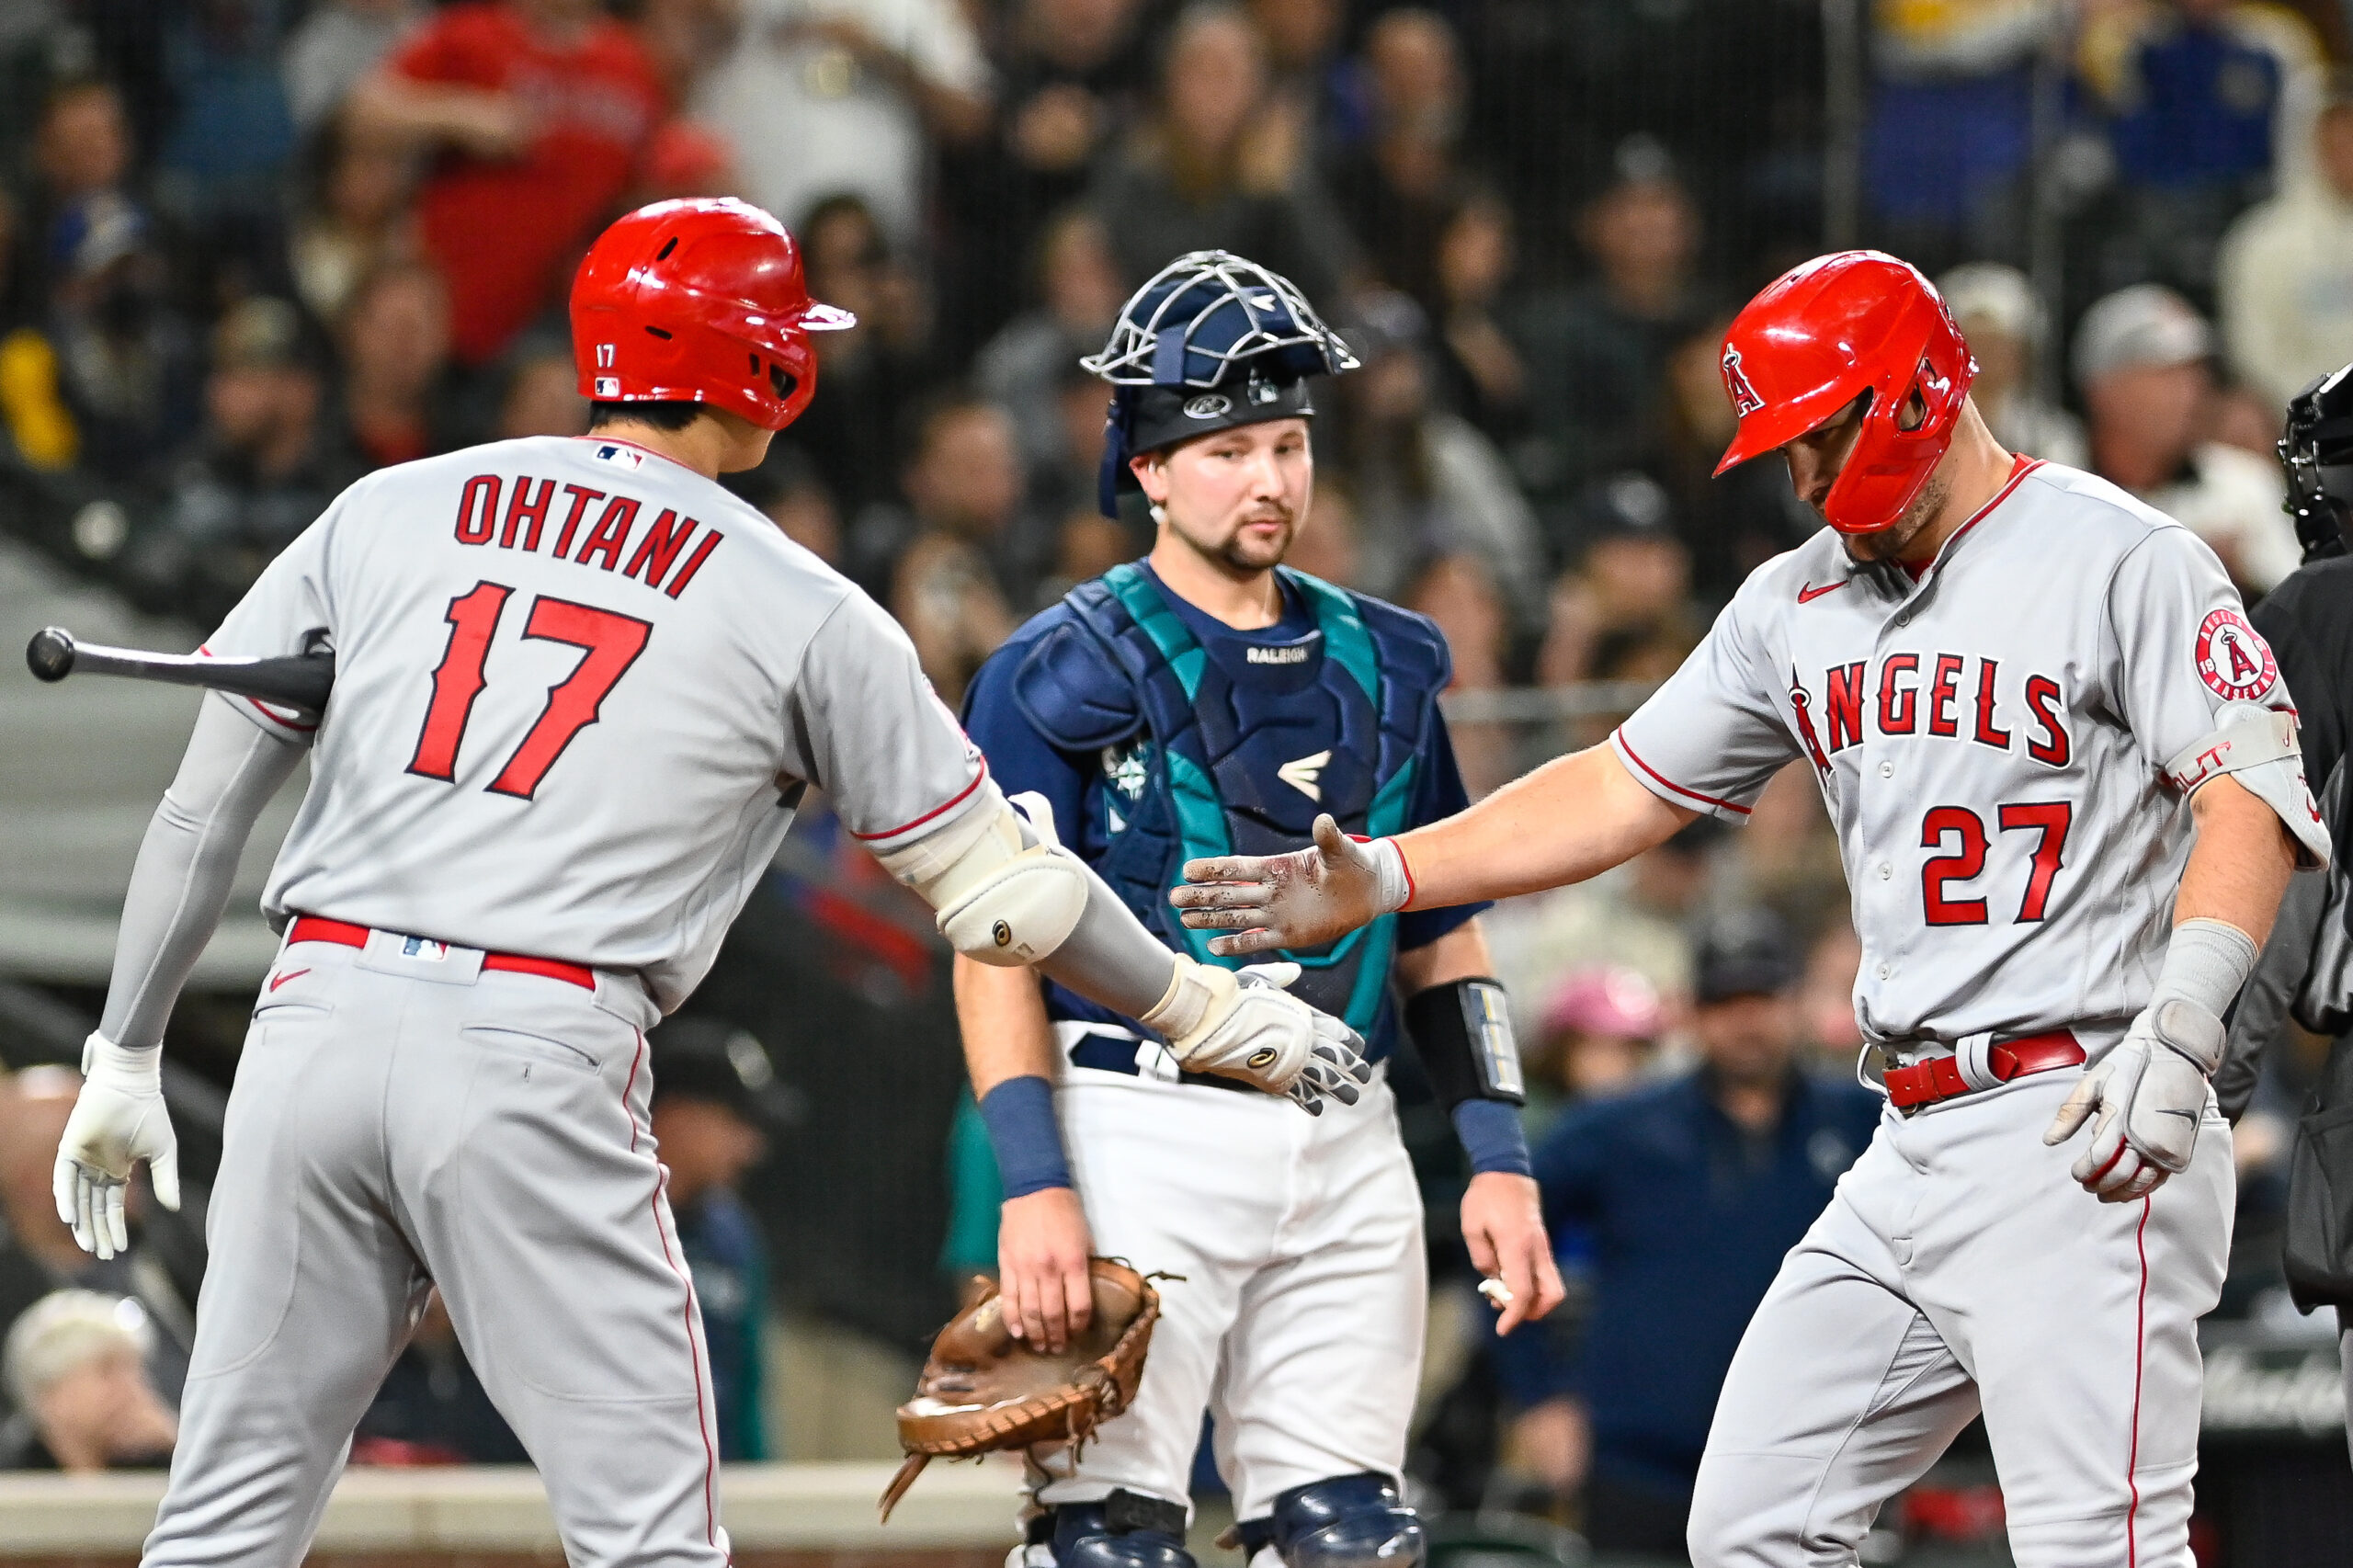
(1827, 333)
(1211, 342)
(698, 301)
(2317, 452)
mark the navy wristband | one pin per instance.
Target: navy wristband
(1019, 1114)
(1491, 1136)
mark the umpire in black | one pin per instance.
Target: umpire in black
(2306, 970)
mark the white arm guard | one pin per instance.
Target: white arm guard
(1006, 892)
(2258, 745)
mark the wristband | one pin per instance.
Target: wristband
(1492, 1137)
(1396, 882)
(2207, 962)
(1019, 1115)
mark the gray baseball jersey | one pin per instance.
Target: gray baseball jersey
(578, 687)
(1990, 741)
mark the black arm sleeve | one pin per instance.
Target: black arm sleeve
(1462, 1030)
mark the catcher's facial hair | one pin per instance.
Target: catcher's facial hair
(301, 680)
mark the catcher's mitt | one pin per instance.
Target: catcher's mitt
(983, 1389)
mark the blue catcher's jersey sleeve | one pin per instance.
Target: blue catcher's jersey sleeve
(1437, 794)
(1019, 758)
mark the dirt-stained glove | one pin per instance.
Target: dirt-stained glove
(118, 1121)
(982, 1390)
(2150, 1093)
(1299, 900)
(1244, 1024)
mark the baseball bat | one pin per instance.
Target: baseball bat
(299, 680)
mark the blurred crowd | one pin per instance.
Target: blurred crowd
(252, 249)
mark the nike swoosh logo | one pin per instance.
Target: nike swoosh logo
(1808, 594)
(289, 974)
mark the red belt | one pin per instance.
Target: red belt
(312, 929)
(1939, 1078)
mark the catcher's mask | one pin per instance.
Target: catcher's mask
(2317, 451)
(1840, 327)
(1211, 342)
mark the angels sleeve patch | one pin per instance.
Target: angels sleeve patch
(2233, 660)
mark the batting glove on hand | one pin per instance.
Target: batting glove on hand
(2151, 1094)
(1298, 900)
(118, 1120)
(1248, 1026)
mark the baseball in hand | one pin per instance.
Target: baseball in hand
(1498, 1294)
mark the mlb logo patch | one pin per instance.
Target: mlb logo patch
(419, 947)
(609, 386)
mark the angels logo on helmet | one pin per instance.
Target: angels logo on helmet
(1744, 400)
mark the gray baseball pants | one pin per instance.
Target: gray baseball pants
(404, 1118)
(1960, 1268)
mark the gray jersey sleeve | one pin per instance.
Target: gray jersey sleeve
(864, 726)
(288, 610)
(2179, 646)
(1712, 737)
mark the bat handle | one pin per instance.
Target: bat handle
(50, 654)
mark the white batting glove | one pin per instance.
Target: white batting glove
(1299, 900)
(1243, 1024)
(2150, 1093)
(118, 1121)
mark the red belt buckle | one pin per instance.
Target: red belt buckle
(342, 933)
(1939, 1078)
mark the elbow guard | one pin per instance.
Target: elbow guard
(1006, 892)
(1463, 1032)
(2257, 746)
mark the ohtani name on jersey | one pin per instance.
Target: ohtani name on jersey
(1963, 695)
(601, 524)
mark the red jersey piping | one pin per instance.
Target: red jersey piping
(2020, 466)
(949, 804)
(1618, 735)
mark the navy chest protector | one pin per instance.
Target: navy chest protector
(1236, 751)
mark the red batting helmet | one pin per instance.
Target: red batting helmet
(698, 301)
(1827, 333)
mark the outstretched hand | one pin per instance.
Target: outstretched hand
(1299, 900)
(1272, 1040)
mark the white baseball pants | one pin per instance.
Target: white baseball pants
(1960, 1267)
(398, 1120)
(1297, 1322)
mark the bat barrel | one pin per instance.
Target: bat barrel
(302, 681)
